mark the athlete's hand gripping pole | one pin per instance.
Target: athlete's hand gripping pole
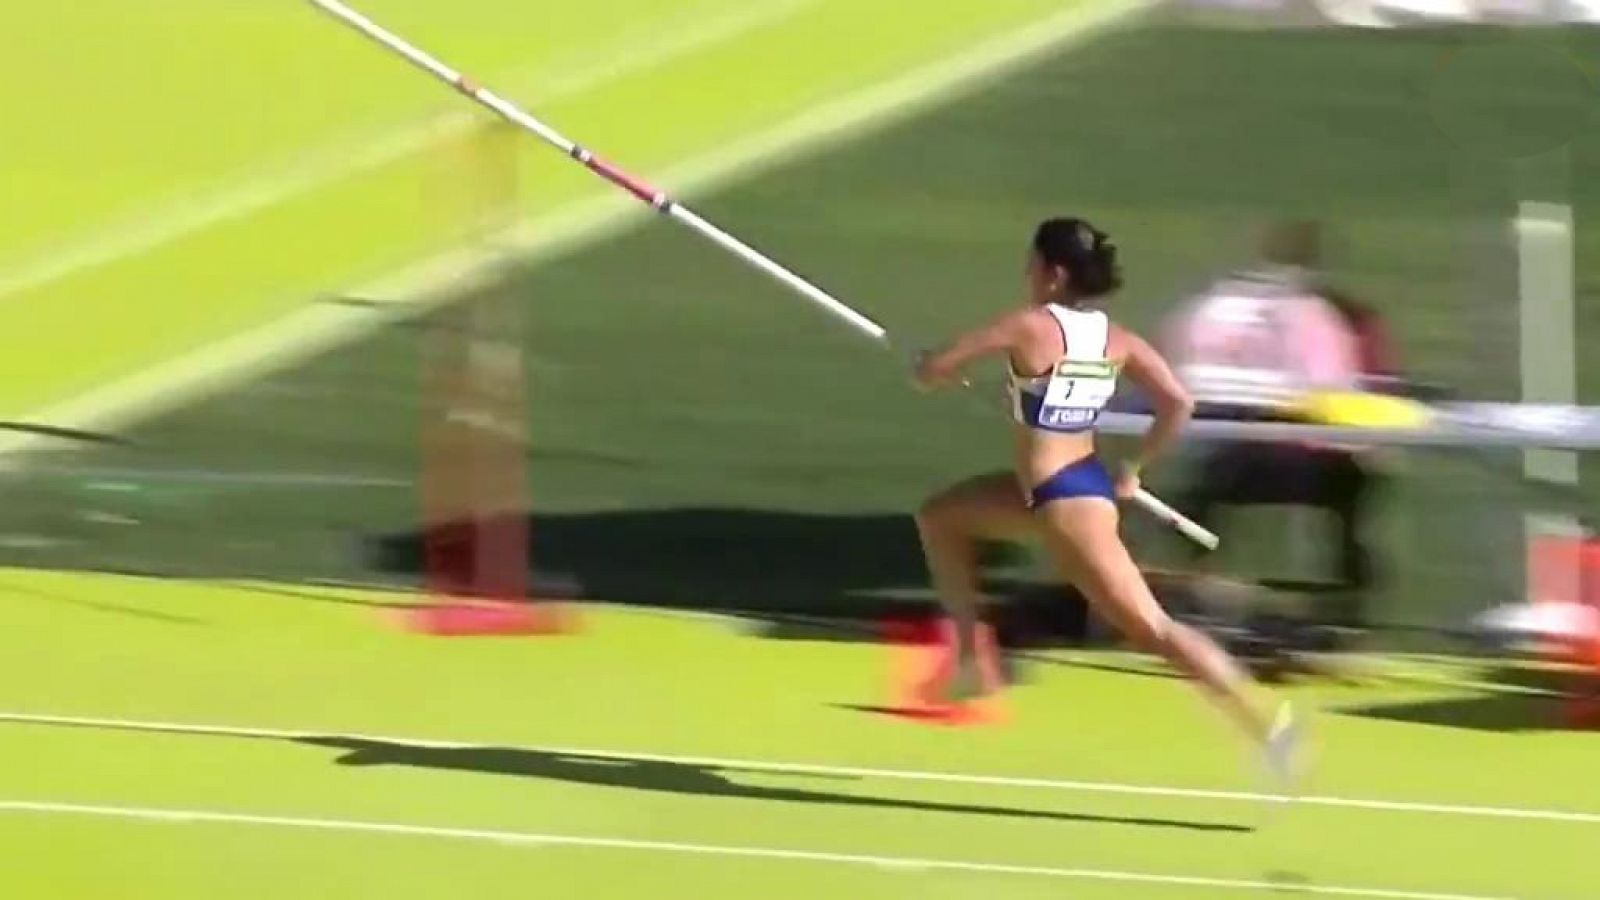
(657, 199)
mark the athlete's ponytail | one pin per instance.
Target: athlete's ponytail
(1085, 252)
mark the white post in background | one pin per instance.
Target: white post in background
(1548, 352)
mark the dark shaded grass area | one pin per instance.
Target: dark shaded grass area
(666, 378)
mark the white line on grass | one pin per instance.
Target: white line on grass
(535, 839)
(347, 157)
(223, 477)
(319, 327)
(1098, 787)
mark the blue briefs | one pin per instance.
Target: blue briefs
(1085, 478)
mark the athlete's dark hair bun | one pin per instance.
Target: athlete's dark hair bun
(1085, 251)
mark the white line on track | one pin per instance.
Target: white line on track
(346, 157)
(535, 839)
(322, 326)
(224, 477)
(1053, 784)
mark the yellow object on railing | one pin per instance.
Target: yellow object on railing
(1357, 409)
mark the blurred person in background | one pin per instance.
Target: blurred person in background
(1251, 346)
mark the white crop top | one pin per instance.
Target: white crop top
(1071, 395)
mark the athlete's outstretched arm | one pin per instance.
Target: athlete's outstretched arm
(943, 367)
(1168, 397)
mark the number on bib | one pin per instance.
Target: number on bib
(1076, 393)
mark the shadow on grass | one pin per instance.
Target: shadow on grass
(854, 567)
(685, 778)
(71, 435)
(103, 606)
(1498, 712)
(314, 592)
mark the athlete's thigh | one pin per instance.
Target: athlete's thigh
(1082, 535)
(990, 504)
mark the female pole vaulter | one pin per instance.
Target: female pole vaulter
(1065, 356)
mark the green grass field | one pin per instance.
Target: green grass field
(209, 106)
(232, 166)
(818, 427)
(689, 754)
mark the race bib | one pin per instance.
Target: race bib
(1076, 394)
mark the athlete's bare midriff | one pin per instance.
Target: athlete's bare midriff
(1040, 454)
